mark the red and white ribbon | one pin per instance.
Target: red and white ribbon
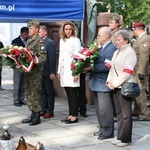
(107, 63)
(128, 69)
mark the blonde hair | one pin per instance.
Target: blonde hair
(62, 30)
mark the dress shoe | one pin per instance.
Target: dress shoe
(84, 115)
(42, 113)
(64, 120)
(115, 142)
(115, 119)
(97, 133)
(123, 144)
(23, 102)
(48, 115)
(17, 103)
(135, 115)
(70, 121)
(102, 137)
(1, 89)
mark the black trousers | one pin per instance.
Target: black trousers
(124, 116)
(72, 97)
(82, 94)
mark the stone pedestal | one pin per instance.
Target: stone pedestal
(103, 19)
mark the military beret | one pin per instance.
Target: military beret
(138, 24)
(33, 23)
(114, 17)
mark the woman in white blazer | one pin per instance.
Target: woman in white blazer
(69, 44)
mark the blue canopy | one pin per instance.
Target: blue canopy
(46, 10)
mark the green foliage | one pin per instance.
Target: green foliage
(131, 10)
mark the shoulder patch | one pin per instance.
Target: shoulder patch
(42, 48)
(145, 45)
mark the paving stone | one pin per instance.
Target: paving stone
(56, 135)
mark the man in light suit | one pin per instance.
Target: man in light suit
(18, 77)
(47, 93)
(97, 84)
(141, 71)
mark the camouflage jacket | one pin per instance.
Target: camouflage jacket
(38, 47)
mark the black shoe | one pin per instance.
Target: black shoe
(36, 119)
(70, 121)
(135, 115)
(84, 115)
(115, 119)
(102, 137)
(17, 103)
(64, 120)
(23, 102)
(1, 89)
(35, 122)
(29, 119)
(97, 133)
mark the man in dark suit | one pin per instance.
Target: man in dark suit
(97, 84)
(18, 77)
(47, 93)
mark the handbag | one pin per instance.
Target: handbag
(129, 89)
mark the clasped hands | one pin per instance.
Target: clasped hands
(110, 86)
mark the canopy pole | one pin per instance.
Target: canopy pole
(82, 30)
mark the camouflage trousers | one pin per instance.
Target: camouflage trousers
(33, 88)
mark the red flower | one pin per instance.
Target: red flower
(72, 66)
(26, 55)
(17, 53)
(88, 53)
(29, 59)
(83, 50)
(12, 51)
(22, 50)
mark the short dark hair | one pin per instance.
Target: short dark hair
(1, 45)
(24, 29)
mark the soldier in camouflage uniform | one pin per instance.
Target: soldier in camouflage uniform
(141, 72)
(34, 78)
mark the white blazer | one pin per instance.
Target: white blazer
(66, 49)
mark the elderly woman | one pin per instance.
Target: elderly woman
(122, 66)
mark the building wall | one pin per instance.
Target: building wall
(9, 31)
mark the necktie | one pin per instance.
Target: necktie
(101, 49)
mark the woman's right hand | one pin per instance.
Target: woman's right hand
(58, 76)
(110, 86)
